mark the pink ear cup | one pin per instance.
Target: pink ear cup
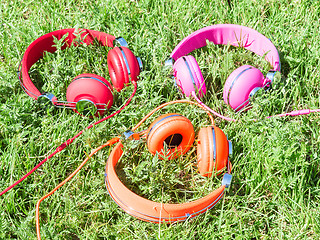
(93, 88)
(197, 75)
(183, 78)
(239, 85)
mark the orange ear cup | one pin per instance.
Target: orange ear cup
(205, 151)
(212, 150)
(174, 130)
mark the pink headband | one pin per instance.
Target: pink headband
(235, 35)
(45, 44)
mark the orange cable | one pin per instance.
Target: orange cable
(169, 103)
(108, 143)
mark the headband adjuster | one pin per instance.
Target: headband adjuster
(46, 100)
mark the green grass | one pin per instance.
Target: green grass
(275, 189)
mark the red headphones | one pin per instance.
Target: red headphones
(87, 92)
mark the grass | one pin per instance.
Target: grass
(275, 189)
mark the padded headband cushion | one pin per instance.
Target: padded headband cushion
(236, 35)
(174, 130)
(45, 44)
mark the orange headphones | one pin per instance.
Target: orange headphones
(176, 131)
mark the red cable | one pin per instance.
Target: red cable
(70, 140)
(109, 143)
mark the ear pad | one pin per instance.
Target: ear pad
(188, 76)
(93, 88)
(212, 150)
(174, 130)
(118, 67)
(239, 85)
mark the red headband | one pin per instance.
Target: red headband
(45, 44)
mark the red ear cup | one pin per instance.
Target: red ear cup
(212, 150)
(240, 84)
(123, 66)
(133, 64)
(173, 129)
(117, 69)
(91, 88)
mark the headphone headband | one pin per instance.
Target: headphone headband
(235, 35)
(151, 211)
(45, 44)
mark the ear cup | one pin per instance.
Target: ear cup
(199, 81)
(239, 85)
(174, 130)
(205, 148)
(118, 67)
(185, 76)
(93, 88)
(212, 150)
(133, 64)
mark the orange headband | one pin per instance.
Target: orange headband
(150, 211)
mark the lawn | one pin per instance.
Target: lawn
(275, 188)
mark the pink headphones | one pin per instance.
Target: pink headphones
(87, 92)
(243, 82)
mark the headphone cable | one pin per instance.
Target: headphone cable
(70, 140)
(109, 143)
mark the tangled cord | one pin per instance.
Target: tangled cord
(108, 143)
(70, 140)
